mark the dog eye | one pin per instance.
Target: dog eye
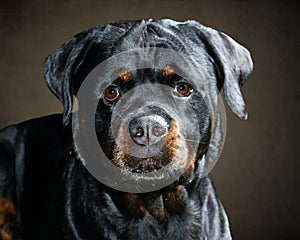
(183, 89)
(111, 94)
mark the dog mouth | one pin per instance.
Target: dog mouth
(146, 165)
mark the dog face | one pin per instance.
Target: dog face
(143, 120)
(151, 131)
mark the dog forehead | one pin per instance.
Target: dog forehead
(104, 41)
(125, 35)
(114, 39)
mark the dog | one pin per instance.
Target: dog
(141, 123)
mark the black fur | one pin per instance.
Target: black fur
(55, 197)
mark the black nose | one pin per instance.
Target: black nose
(148, 130)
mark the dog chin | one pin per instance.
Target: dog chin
(156, 167)
(149, 171)
(145, 165)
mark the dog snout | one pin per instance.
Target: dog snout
(148, 130)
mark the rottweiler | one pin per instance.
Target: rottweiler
(154, 121)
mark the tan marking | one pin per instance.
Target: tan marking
(190, 170)
(134, 204)
(7, 218)
(177, 152)
(168, 71)
(174, 200)
(172, 141)
(125, 76)
(5, 236)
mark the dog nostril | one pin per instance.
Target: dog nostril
(147, 130)
(139, 132)
(158, 131)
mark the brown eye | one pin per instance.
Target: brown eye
(183, 89)
(111, 94)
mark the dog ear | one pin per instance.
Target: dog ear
(234, 65)
(60, 68)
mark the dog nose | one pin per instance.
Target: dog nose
(148, 130)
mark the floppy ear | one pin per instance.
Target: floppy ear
(234, 64)
(60, 68)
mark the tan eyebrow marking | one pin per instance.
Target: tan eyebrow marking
(168, 71)
(125, 76)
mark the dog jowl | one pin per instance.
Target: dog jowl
(148, 94)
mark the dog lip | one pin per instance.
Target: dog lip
(145, 166)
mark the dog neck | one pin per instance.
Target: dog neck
(177, 205)
(171, 200)
(158, 204)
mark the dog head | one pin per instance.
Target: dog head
(160, 118)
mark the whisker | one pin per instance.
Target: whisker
(191, 140)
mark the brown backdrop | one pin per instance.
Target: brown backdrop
(258, 176)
